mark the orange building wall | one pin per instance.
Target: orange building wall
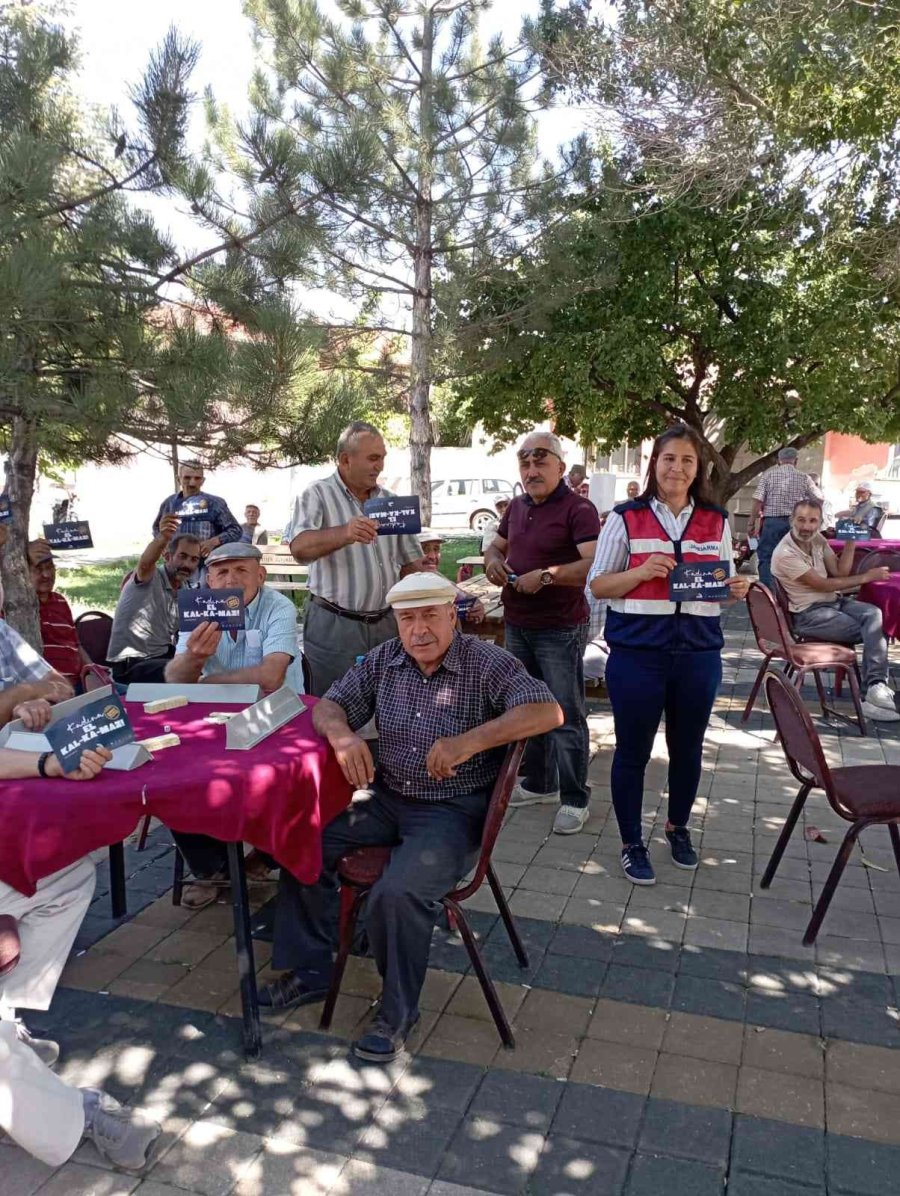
(848, 460)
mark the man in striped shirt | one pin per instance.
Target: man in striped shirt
(351, 567)
(62, 649)
(778, 491)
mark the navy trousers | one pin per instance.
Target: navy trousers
(773, 531)
(435, 845)
(642, 686)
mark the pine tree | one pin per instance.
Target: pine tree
(411, 141)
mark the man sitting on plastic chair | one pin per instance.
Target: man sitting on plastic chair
(445, 704)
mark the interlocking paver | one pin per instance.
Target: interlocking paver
(686, 1131)
(569, 1166)
(518, 1099)
(772, 1148)
(595, 1114)
(651, 1175)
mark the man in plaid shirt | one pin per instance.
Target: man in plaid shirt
(203, 515)
(778, 491)
(445, 705)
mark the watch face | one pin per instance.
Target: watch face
(546, 579)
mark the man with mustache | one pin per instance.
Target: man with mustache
(541, 556)
(145, 624)
(445, 704)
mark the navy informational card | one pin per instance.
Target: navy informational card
(395, 515)
(191, 511)
(699, 581)
(103, 723)
(5, 509)
(846, 529)
(225, 607)
(69, 535)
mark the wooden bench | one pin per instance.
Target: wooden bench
(282, 571)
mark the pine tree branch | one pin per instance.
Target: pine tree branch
(72, 205)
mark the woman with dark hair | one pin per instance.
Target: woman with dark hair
(665, 656)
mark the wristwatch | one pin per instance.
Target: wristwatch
(546, 578)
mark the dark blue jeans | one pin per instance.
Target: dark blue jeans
(559, 759)
(435, 844)
(642, 686)
(772, 533)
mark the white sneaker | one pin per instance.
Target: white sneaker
(881, 694)
(570, 819)
(45, 1048)
(123, 1136)
(880, 714)
(524, 797)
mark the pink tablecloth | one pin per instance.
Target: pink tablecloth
(868, 545)
(886, 596)
(277, 797)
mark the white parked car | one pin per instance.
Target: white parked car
(468, 501)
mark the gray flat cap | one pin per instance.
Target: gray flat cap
(234, 552)
(788, 454)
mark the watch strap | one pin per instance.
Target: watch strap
(42, 763)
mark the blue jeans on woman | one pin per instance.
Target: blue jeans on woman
(559, 759)
(644, 685)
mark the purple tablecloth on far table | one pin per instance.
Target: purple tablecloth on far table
(886, 596)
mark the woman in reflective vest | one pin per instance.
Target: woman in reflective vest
(665, 654)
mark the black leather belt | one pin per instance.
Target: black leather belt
(358, 616)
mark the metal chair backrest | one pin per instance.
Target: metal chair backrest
(881, 519)
(493, 821)
(93, 629)
(773, 636)
(306, 673)
(874, 560)
(799, 740)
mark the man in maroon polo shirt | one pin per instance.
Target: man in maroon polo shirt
(541, 556)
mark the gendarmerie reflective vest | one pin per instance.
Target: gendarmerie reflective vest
(645, 617)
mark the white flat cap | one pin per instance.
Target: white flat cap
(421, 589)
(428, 536)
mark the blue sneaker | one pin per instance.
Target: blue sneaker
(636, 864)
(382, 1043)
(683, 854)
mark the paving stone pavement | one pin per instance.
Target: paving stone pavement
(672, 1039)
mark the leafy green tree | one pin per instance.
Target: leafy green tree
(411, 142)
(741, 320)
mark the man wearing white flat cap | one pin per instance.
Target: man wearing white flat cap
(467, 607)
(445, 704)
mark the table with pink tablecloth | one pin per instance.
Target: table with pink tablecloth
(886, 596)
(276, 796)
(867, 545)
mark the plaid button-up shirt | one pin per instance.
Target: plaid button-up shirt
(18, 661)
(780, 488)
(202, 515)
(476, 682)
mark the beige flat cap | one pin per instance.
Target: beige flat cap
(421, 589)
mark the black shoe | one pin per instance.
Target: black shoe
(382, 1043)
(683, 854)
(290, 990)
(636, 864)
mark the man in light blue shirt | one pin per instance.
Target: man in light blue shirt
(265, 653)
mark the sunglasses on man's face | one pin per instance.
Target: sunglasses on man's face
(536, 454)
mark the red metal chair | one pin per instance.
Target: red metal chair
(94, 628)
(359, 870)
(10, 946)
(864, 795)
(775, 641)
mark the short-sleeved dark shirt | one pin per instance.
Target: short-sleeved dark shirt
(540, 535)
(476, 682)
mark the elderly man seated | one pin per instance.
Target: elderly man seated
(444, 704)
(864, 511)
(62, 651)
(145, 624)
(41, 1113)
(265, 653)
(431, 541)
(815, 580)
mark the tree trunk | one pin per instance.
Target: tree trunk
(173, 457)
(421, 436)
(20, 599)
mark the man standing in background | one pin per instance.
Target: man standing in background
(777, 493)
(351, 567)
(203, 515)
(251, 532)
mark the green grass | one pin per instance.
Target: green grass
(96, 587)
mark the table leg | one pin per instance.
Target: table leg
(244, 946)
(117, 896)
